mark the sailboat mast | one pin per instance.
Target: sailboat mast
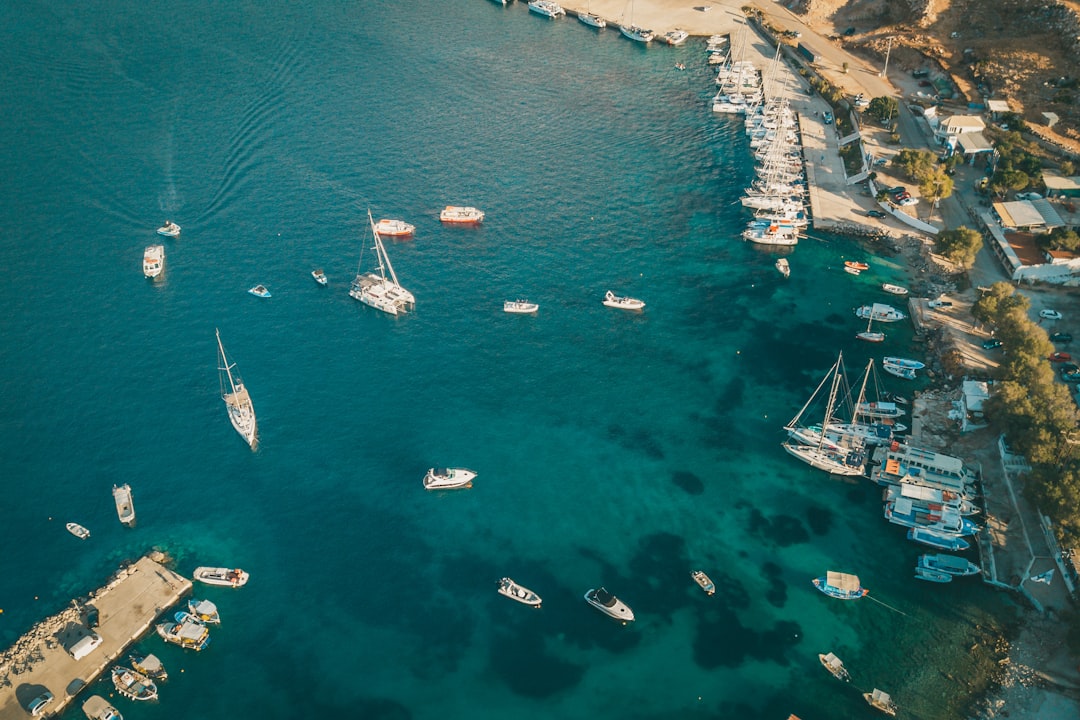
(225, 363)
(384, 259)
(830, 405)
(813, 395)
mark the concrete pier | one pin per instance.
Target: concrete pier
(124, 608)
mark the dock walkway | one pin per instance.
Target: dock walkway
(126, 607)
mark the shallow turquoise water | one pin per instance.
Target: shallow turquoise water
(617, 449)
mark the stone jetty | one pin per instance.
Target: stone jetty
(66, 652)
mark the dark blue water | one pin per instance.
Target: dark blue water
(612, 448)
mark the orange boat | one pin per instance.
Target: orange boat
(860, 266)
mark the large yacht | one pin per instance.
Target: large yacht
(380, 289)
(547, 8)
(153, 261)
(448, 478)
(610, 605)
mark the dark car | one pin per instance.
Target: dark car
(1068, 367)
(1071, 376)
(875, 213)
(991, 344)
(924, 83)
(897, 190)
(827, 117)
(1060, 337)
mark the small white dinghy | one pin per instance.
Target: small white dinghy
(520, 307)
(894, 289)
(320, 276)
(522, 594)
(622, 303)
(229, 577)
(78, 530)
(784, 267)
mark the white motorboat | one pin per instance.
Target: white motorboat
(903, 362)
(610, 605)
(77, 530)
(133, 685)
(703, 581)
(522, 594)
(951, 564)
(461, 215)
(190, 635)
(622, 303)
(675, 37)
(96, 707)
(547, 8)
(153, 260)
(835, 666)
(169, 229)
(879, 410)
(784, 267)
(228, 577)
(520, 307)
(894, 289)
(204, 611)
(260, 291)
(448, 478)
(394, 228)
(592, 19)
(381, 290)
(879, 312)
(237, 400)
(125, 506)
(320, 277)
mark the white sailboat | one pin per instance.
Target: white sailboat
(381, 290)
(634, 32)
(237, 401)
(838, 455)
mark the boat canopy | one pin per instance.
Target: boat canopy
(604, 597)
(843, 581)
(882, 697)
(150, 665)
(949, 563)
(205, 607)
(191, 631)
(832, 661)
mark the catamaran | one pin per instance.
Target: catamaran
(381, 290)
(237, 401)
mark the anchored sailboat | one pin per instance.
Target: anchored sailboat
(381, 290)
(836, 453)
(237, 401)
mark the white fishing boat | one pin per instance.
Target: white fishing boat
(237, 400)
(320, 276)
(703, 581)
(204, 611)
(900, 372)
(522, 594)
(784, 267)
(169, 229)
(621, 302)
(835, 666)
(461, 215)
(153, 261)
(448, 478)
(903, 362)
(96, 707)
(675, 37)
(227, 577)
(880, 700)
(77, 530)
(610, 605)
(547, 8)
(879, 312)
(836, 454)
(520, 307)
(394, 228)
(894, 289)
(260, 291)
(190, 635)
(125, 506)
(953, 565)
(133, 685)
(150, 666)
(381, 290)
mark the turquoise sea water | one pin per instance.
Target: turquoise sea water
(612, 448)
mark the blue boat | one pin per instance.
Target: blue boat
(840, 585)
(932, 539)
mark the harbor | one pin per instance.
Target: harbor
(68, 651)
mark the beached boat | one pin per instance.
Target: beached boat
(622, 303)
(96, 707)
(448, 478)
(879, 312)
(952, 564)
(237, 400)
(610, 605)
(381, 290)
(592, 20)
(835, 666)
(169, 229)
(260, 291)
(150, 666)
(881, 701)
(189, 635)
(675, 37)
(394, 228)
(320, 276)
(522, 594)
(125, 506)
(860, 266)
(204, 611)
(784, 267)
(77, 530)
(929, 575)
(132, 684)
(941, 541)
(153, 260)
(520, 306)
(842, 586)
(228, 577)
(461, 215)
(703, 581)
(547, 8)
(894, 289)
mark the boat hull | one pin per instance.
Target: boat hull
(703, 581)
(78, 530)
(521, 594)
(613, 608)
(226, 577)
(448, 478)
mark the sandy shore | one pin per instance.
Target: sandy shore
(660, 16)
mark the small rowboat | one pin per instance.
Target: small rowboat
(784, 267)
(703, 580)
(894, 289)
(520, 307)
(852, 271)
(860, 266)
(78, 530)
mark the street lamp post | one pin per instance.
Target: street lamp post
(888, 49)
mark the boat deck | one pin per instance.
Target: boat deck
(127, 606)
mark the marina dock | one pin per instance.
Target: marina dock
(66, 652)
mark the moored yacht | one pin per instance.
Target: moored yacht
(622, 303)
(228, 577)
(639, 34)
(546, 8)
(169, 229)
(610, 605)
(448, 478)
(461, 215)
(522, 594)
(153, 261)
(125, 506)
(675, 37)
(381, 290)
(394, 228)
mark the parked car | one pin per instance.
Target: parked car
(1060, 337)
(875, 213)
(1049, 314)
(939, 303)
(36, 706)
(908, 201)
(1059, 357)
(827, 117)
(898, 190)
(1068, 367)
(861, 101)
(1071, 376)
(991, 344)
(1029, 196)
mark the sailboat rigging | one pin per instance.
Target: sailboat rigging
(819, 447)
(237, 401)
(381, 290)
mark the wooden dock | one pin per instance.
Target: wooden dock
(125, 608)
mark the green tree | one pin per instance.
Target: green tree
(998, 301)
(1060, 238)
(960, 245)
(915, 164)
(1015, 179)
(1067, 168)
(882, 108)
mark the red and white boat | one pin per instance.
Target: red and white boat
(456, 214)
(860, 266)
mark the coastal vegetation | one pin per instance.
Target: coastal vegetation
(1017, 166)
(1034, 410)
(959, 245)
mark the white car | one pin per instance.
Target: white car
(1049, 314)
(1028, 196)
(909, 201)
